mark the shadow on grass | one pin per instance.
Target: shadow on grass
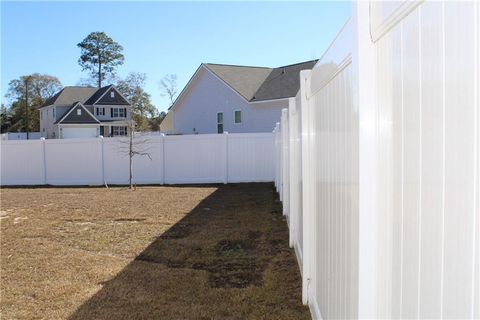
(227, 258)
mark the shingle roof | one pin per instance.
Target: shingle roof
(85, 95)
(68, 95)
(243, 79)
(261, 83)
(282, 82)
(97, 95)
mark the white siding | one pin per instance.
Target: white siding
(208, 95)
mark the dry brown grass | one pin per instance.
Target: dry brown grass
(210, 252)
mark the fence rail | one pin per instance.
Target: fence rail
(378, 165)
(208, 158)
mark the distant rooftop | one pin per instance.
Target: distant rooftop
(69, 95)
(262, 83)
(86, 95)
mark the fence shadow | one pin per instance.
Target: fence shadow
(227, 258)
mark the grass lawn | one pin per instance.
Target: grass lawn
(188, 252)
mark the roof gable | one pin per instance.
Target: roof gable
(103, 97)
(254, 83)
(243, 79)
(78, 114)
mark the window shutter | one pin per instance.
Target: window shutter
(125, 112)
(111, 112)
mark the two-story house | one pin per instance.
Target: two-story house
(85, 112)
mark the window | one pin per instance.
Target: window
(79, 112)
(219, 122)
(119, 112)
(100, 111)
(112, 94)
(238, 116)
(53, 113)
(119, 131)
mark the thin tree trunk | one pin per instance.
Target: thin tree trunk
(99, 72)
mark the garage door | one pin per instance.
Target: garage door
(71, 133)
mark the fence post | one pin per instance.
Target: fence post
(277, 157)
(44, 161)
(285, 167)
(163, 157)
(292, 187)
(225, 174)
(308, 196)
(280, 161)
(103, 161)
(364, 64)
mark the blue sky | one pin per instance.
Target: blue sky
(164, 37)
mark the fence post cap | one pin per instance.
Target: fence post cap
(101, 137)
(42, 138)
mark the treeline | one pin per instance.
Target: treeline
(100, 56)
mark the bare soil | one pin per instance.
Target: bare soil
(177, 252)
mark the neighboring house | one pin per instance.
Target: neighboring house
(235, 99)
(85, 112)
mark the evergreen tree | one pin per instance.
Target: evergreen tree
(100, 55)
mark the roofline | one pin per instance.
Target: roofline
(285, 66)
(268, 100)
(185, 88)
(109, 86)
(236, 65)
(204, 66)
(71, 109)
(296, 64)
(118, 91)
(226, 83)
(59, 92)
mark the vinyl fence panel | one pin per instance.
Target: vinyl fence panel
(295, 161)
(250, 157)
(427, 75)
(390, 139)
(73, 162)
(116, 160)
(163, 159)
(195, 158)
(26, 167)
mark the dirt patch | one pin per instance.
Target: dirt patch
(232, 247)
(129, 220)
(190, 252)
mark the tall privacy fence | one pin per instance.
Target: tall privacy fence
(208, 158)
(378, 165)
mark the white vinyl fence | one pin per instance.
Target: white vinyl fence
(378, 165)
(20, 136)
(208, 158)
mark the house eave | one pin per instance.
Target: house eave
(270, 100)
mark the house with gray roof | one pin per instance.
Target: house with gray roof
(85, 112)
(233, 98)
